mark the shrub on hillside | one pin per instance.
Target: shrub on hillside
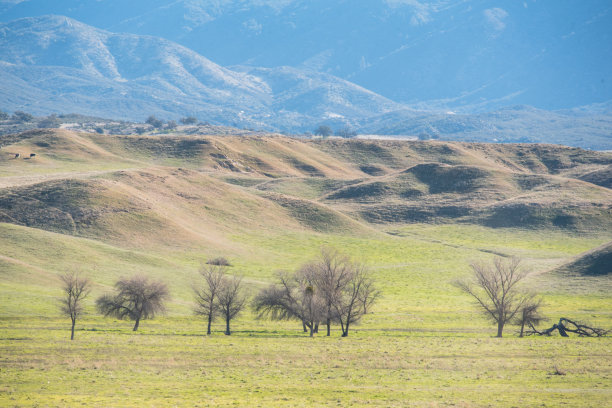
(189, 120)
(219, 261)
(153, 121)
(22, 117)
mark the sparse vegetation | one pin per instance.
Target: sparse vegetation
(137, 298)
(171, 125)
(231, 299)
(529, 315)
(153, 121)
(323, 130)
(76, 289)
(22, 117)
(329, 289)
(51, 122)
(495, 290)
(219, 261)
(207, 292)
(189, 120)
(346, 132)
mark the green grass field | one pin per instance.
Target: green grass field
(425, 344)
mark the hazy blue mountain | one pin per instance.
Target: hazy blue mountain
(583, 127)
(56, 64)
(473, 55)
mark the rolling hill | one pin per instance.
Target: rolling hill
(597, 262)
(187, 186)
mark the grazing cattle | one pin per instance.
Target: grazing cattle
(17, 155)
(32, 155)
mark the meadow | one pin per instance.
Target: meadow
(425, 344)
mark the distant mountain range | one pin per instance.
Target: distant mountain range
(474, 55)
(55, 64)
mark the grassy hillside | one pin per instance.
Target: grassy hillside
(416, 212)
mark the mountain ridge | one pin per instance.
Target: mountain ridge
(454, 54)
(54, 64)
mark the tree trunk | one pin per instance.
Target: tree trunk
(136, 324)
(72, 331)
(312, 330)
(522, 328)
(304, 326)
(345, 331)
(209, 323)
(328, 323)
(500, 328)
(227, 326)
(316, 327)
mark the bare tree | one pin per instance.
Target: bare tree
(206, 295)
(495, 289)
(355, 297)
(529, 315)
(294, 297)
(137, 298)
(76, 289)
(330, 273)
(231, 299)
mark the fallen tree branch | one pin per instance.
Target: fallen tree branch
(566, 326)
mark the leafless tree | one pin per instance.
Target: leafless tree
(529, 315)
(294, 297)
(330, 274)
(75, 289)
(231, 299)
(355, 297)
(496, 291)
(207, 294)
(137, 298)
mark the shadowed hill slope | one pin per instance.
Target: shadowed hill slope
(596, 262)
